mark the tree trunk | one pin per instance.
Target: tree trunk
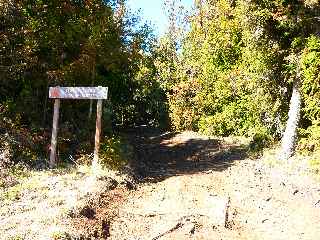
(290, 135)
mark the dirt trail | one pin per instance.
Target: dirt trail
(190, 187)
(195, 187)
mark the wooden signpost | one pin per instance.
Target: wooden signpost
(58, 93)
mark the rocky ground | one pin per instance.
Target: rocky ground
(187, 186)
(196, 187)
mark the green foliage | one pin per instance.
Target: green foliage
(310, 138)
(315, 162)
(227, 81)
(74, 43)
(234, 72)
(260, 140)
(183, 105)
(310, 62)
(311, 79)
(18, 143)
(59, 235)
(229, 73)
(115, 152)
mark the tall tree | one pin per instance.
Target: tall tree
(303, 19)
(290, 135)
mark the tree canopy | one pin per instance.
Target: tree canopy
(231, 71)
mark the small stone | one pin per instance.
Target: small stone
(129, 185)
(108, 183)
(268, 199)
(88, 212)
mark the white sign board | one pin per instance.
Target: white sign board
(78, 92)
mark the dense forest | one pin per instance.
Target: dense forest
(226, 68)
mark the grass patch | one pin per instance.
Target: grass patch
(60, 236)
(17, 237)
(13, 175)
(115, 152)
(315, 162)
(26, 184)
(270, 157)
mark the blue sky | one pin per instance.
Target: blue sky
(152, 11)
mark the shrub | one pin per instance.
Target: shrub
(184, 106)
(260, 140)
(18, 144)
(311, 79)
(115, 152)
(310, 140)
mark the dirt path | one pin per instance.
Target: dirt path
(189, 187)
(195, 187)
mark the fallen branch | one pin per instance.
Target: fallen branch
(144, 215)
(177, 226)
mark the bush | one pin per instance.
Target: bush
(18, 144)
(311, 79)
(315, 162)
(115, 152)
(310, 140)
(219, 124)
(183, 104)
(260, 140)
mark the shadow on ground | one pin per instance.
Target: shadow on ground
(159, 155)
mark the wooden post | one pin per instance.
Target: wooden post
(98, 132)
(53, 146)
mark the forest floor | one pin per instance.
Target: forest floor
(188, 187)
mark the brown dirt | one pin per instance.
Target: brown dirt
(195, 187)
(53, 205)
(189, 187)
